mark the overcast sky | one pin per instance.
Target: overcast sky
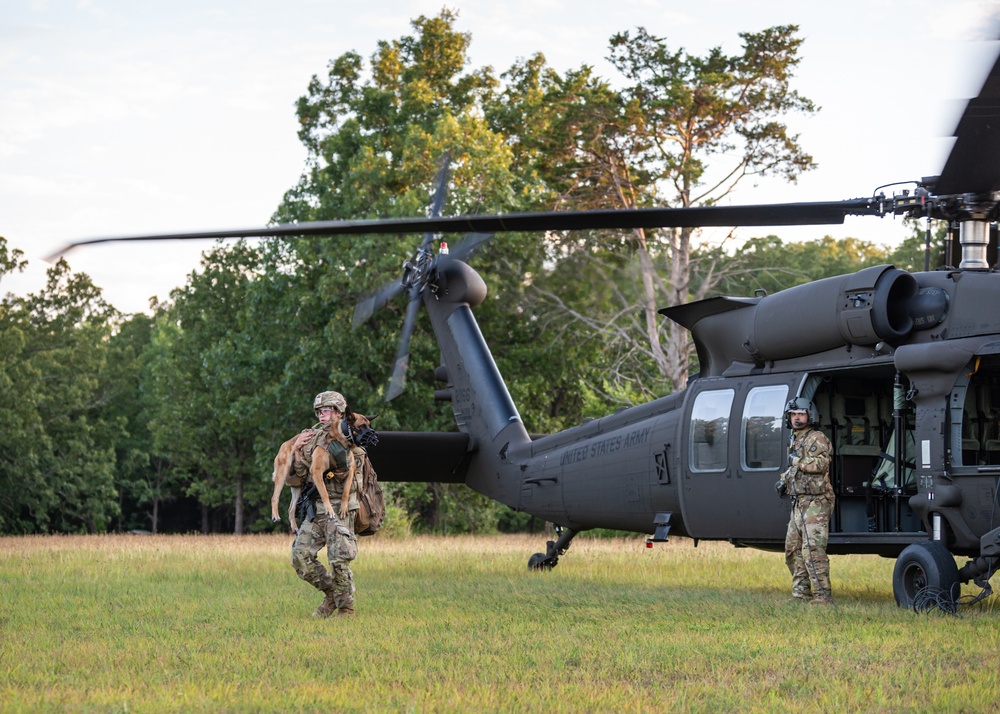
(139, 116)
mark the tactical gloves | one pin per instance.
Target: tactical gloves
(780, 488)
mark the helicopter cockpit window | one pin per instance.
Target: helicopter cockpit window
(709, 443)
(762, 446)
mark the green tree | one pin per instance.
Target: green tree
(375, 134)
(204, 373)
(683, 131)
(56, 460)
(146, 478)
(767, 263)
(697, 110)
(130, 438)
(912, 252)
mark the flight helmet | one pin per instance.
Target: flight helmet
(801, 404)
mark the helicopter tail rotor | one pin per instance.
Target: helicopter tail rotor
(416, 276)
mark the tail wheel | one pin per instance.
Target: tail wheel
(925, 573)
(540, 561)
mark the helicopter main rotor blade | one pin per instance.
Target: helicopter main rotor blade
(777, 214)
(973, 166)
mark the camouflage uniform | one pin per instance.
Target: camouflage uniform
(807, 481)
(331, 530)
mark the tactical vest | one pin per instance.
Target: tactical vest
(333, 478)
(811, 475)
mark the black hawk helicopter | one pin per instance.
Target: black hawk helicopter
(903, 367)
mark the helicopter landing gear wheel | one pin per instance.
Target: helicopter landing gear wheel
(925, 575)
(553, 549)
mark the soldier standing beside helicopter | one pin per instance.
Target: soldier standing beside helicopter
(807, 481)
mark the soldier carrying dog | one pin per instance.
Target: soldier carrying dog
(318, 528)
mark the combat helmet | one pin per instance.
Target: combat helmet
(801, 404)
(329, 399)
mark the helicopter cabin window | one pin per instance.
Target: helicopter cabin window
(762, 447)
(709, 445)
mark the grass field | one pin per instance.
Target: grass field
(189, 623)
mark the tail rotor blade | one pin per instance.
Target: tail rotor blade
(437, 203)
(441, 182)
(468, 245)
(367, 306)
(398, 380)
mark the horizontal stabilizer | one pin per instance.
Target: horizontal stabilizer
(421, 456)
(688, 314)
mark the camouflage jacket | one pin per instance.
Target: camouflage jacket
(334, 479)
(809, 471)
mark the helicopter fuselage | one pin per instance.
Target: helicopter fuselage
(881, 352)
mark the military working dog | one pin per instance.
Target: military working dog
(352, 433)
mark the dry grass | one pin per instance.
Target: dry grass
(120, 623)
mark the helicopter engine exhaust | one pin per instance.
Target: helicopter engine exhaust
(863, 308)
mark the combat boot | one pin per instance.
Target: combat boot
(346, 611)
(326, 608)
(821, 600)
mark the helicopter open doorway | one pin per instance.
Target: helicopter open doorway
(863, 412)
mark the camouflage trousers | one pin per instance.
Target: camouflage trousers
(805, 546)
(341, 548)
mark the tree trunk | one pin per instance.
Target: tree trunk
(434, 507)
(155, 524)
(238, 527)
(653, 318)
(678, 347)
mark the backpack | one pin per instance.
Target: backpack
(371, 502)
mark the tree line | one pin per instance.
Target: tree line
(169, 421)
